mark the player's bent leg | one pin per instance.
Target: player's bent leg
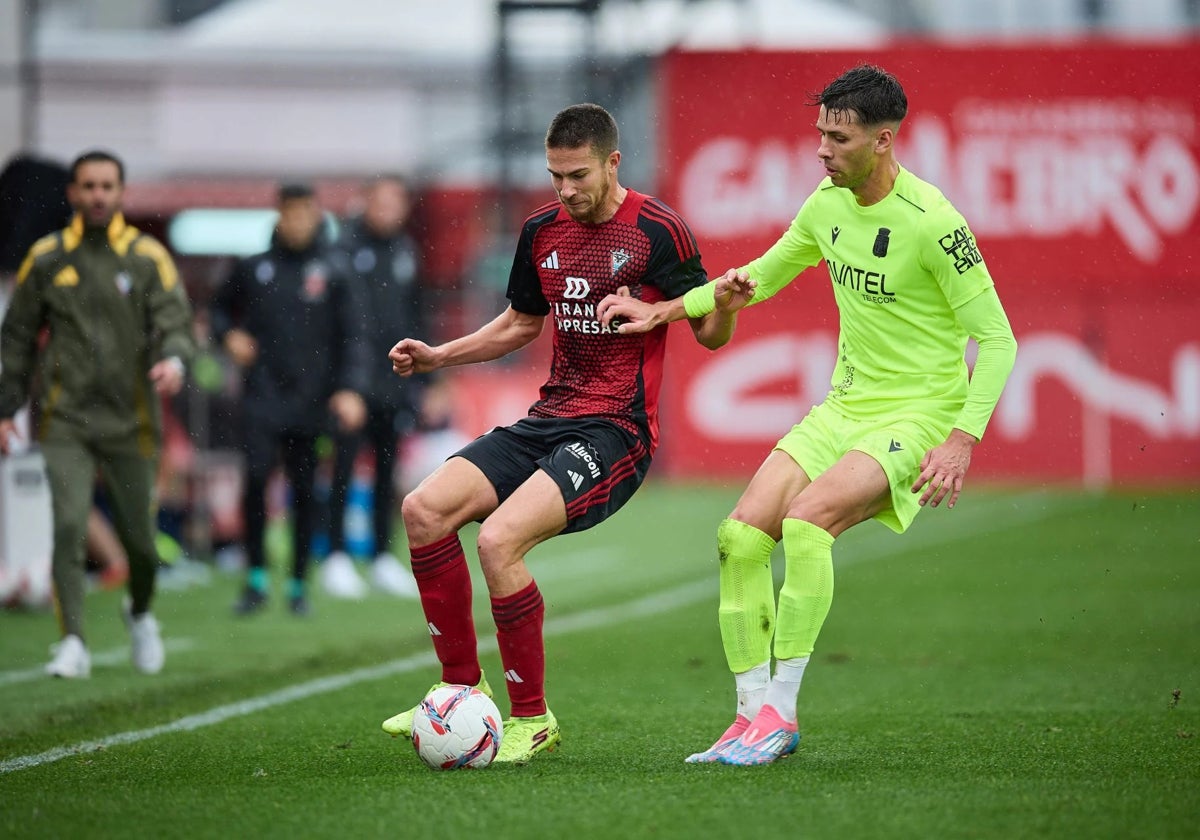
(533, 513)
(746, 616)
(807, 591)
(525, 737)
(747, 602)
(454, 494)
(401, 724)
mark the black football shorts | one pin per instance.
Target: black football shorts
(597, 464)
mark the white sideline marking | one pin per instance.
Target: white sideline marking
(688, 593)
(108, 657)
(651, 605)
(223, 713)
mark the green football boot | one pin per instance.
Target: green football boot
(525, 737)
(402, 723)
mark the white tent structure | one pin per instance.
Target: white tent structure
(267, 87)
(466, 30)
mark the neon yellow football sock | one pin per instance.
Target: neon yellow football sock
(747, 610)
(807, 588)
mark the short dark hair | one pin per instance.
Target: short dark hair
(872, 93)
(294, 189)
(97, 156)
(583, 125)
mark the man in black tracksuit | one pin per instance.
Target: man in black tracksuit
(385, 271)
(291, 321)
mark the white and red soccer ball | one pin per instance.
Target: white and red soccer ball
(457, 726)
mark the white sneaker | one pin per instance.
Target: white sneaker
(71, 659)
(391, 576)
(340, 579)
(145, 641)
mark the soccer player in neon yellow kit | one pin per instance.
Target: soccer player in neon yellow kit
(901, 418)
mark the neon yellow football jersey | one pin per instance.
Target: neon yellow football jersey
(898, 268)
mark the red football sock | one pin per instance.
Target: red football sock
(444, 581)
(519, 620)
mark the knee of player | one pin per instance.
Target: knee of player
(746, 533)
(818, 510)
(419, 513)
(498, 546)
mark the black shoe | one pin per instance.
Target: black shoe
(252, 601)
(298, 604)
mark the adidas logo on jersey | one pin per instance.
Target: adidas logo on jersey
(551, 262)
(576, 478)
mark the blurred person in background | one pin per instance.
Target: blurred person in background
(289, 319)
(33, 203)
(384, 267)
(118, 334)
(588, 441)
(903, 415)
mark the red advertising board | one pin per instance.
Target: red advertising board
(1078, 169)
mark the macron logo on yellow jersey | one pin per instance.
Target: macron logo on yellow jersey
(67, 277)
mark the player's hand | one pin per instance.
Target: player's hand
(943, 469)
(349, 409)
(167, 376)
(734, 290)
(628, 315)
(410, 356)
(9, 435)
(241, 347)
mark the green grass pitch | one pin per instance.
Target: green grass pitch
(1027, 665)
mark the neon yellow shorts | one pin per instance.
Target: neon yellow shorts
(898, 444)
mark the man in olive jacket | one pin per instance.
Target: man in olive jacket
(117, 326)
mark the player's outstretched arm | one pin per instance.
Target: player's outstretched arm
(510, 330)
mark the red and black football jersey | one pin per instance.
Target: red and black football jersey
(564, 268)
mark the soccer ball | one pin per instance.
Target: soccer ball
(457, 726)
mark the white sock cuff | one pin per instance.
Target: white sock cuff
(757, 677)
(791, 670)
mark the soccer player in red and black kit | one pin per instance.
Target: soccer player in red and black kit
(587, 442)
